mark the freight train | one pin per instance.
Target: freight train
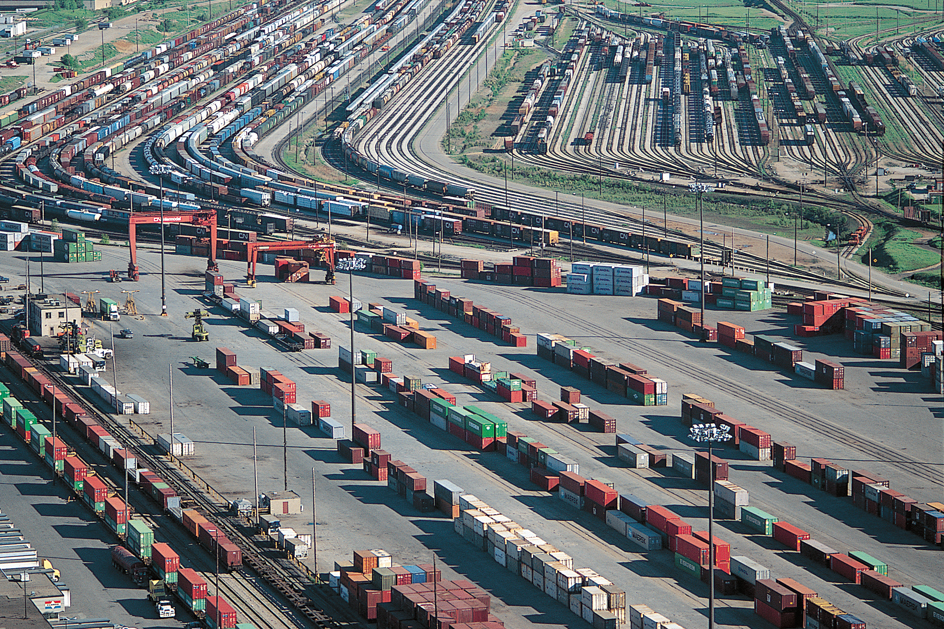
(137, 555)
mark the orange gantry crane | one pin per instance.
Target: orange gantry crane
(204, 218)
(324, 247)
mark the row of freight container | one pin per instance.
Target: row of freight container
(768, 349)
(393, 324)
(523, 271)
(102, 499)
(485, 319)
(587, 594)
(587, 278)
(95, 493)
(874, 329)
(624, 379)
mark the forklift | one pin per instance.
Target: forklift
(199, 330)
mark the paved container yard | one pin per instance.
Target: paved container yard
(66, 534)
(881, 403)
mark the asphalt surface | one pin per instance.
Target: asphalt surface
(880, 402)
(64, 532)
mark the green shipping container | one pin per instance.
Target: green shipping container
(510, 384)
(725, 303)
(936, 614)
(543, 454)
(367, 358)
(760, 521)
(4, 391)
(384, 578)
(924, 590)
(25, 418)
(140, 534)
(78, 485)
(687, 566)
(752, 284)
(200, 605)
(10, 405)
(870, 561)
(480, 426)
(523, 443)
(458, 415)
(439, 407)
(38, 434)
(59, 464)
(649, 399)
(121, 529)
(501, 426)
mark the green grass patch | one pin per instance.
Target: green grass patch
(893, 249)
(931, 279)
(767, 216)
(145, 37)
(93, 58)
(10, 83)
(856, 19)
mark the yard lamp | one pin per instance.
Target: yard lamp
(710, 433)
(161, 170)
(350, 265)
(700, 189)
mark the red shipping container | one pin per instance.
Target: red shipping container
(674, 528)
(222, 613)
(692, 548)
(775, 595)
(722, 548)
(164, 557)
(846, 566)
(191, 583)
(573, 483)
(756, 437)
(339, 304)
(601, 494)
(789, 535)
(798, 470)
(657, 516)
(875, 582)
(365, 436)
(786, 618)
(95, 489)
(320, 408)
(74, 468)
(208, 533)
(116, 510)
(547, 482)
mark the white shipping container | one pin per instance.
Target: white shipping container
(570, 498)
(805, 370)
(366, 375)
(684, 464)
(291, 315)
(642, 536)
(911, 601)
(440, 422)
(331, 428)
(267, 326)
(618, 520)
(181, 446)
(748, 569)
(141, 406)
(633, 456)
(654, 621)
(758, 454)
(691, 296)
(730, 493)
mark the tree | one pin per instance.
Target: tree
(105, 239)
(69, 61)
(80, 23)
(54, 225)
(167, 25)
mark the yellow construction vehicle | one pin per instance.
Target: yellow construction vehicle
(199, 330)
(90, 305)
(130, 306)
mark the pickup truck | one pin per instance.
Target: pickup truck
(165, 609)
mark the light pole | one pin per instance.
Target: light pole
(710, 433)
(160, 170)
(699, 189)
(350, 265)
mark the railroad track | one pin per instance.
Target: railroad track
(247, 593)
